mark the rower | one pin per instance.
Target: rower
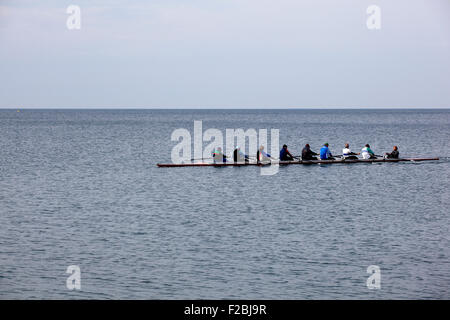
(367, 153)
(218, 156)
(325, 153)
(307, 154)
(262, 156)
(239, 156)
(393, 155)
(285, 155)
(348, 154)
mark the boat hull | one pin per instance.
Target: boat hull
(232, 164)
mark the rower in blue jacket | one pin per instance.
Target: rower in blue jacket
(325, 153)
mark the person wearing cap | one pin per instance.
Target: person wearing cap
(285, 155)
(218, 155)
(261, 155)
(367, 153)
(393, 155)
(348, 154)
(307, 154)
(325, 153)
(239, 156)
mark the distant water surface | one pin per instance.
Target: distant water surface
(81, 187)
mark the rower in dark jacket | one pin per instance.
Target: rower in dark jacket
(239, 156)
(285, 155)
(394, 154)
(307, 154)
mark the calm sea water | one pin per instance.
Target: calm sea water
(82, 188)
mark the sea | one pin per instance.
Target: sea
(85, 213)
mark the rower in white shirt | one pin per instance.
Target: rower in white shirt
(367, 153)
(348, 154)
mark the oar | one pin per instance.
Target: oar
(206, 158)
(202, 159)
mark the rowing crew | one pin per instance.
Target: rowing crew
(307, 154)
(366, 153)
(325, 153)
(240, 157)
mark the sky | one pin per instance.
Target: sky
(225, 53)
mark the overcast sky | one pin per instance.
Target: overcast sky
(224, 53)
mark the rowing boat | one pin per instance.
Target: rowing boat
(343, 161)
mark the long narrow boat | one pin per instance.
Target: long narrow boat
(226, 164)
